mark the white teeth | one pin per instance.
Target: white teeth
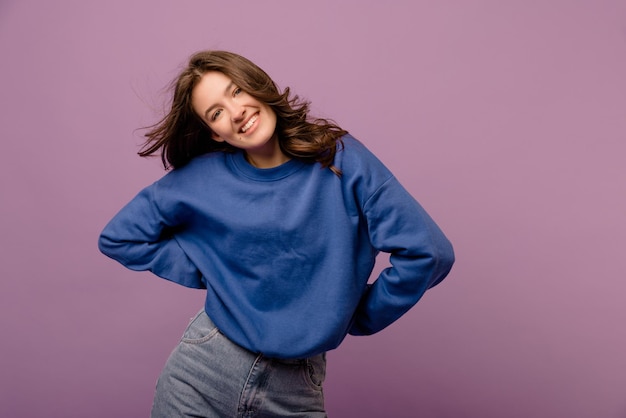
(247, 126)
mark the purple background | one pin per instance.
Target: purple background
(506, 119)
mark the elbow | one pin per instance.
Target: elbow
(447, 256)
(102, 244)
(444, 259)
(107, 246)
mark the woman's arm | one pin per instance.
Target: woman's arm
(141, 237)
(420, 255)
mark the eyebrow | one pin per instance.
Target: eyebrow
(226, 90)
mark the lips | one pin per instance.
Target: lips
(249, 123)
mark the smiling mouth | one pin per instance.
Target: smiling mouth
(249, 124)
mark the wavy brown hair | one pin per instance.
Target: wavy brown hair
(182, 135)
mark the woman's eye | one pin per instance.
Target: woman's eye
(236, 91)
(216, 114)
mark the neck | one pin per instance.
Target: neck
(266, 161)
(267, 157)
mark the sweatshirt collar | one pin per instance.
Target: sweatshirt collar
(242, 166)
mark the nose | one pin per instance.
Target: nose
(238, 112)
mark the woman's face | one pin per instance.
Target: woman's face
(236, 117)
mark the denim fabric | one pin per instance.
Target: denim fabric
(207, 375)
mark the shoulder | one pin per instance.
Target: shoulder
(362, 173)
(353, 145)
(177, 190)
(355, 159)
(190, 181)
(195, 171)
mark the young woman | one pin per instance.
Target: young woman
(280, 218)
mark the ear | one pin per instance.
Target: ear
(216, 137)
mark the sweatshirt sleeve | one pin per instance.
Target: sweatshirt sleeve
(420, 256)
(142, 237)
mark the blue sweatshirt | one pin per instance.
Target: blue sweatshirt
(285, 253)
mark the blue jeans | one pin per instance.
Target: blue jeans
(207, 375)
